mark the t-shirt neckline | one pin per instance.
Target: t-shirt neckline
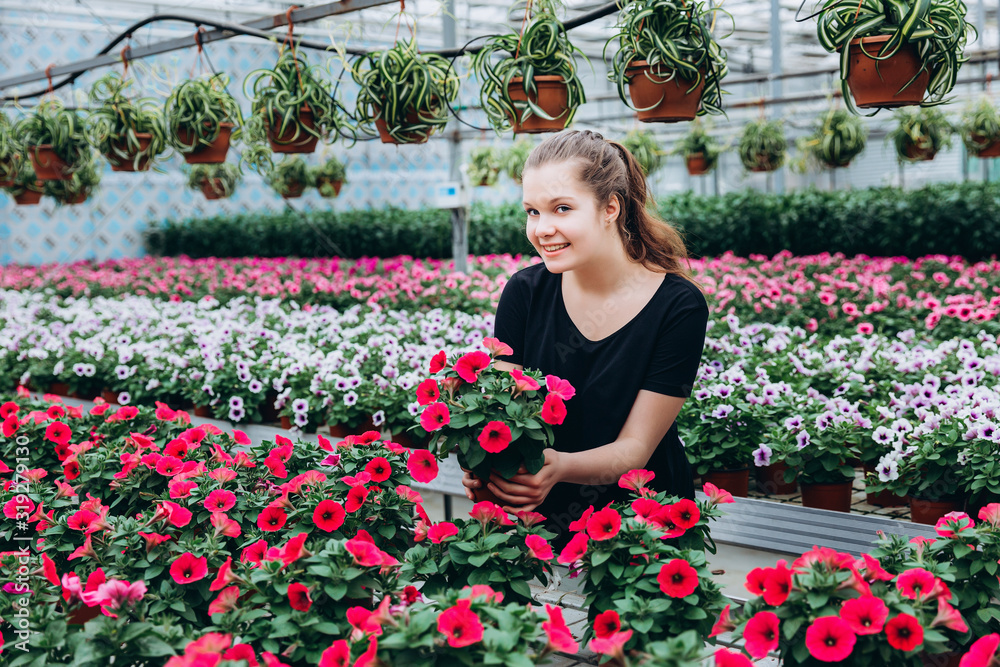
(565, 312)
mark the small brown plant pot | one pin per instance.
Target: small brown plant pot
(658, 99)
(877, 83)
(836, 497)
(78, 198)
(771, 480)
(736, 481)
(697, 164)
(287, 142)
(913, 152)
(28, 198)
(991, 149)
(336, 185)
(202, 411)
(552, 96)
(214, 153)
(412, 137)
(48, 166)
(212, 188)
(110, 397)
(929, 511)
(294, 191)
(127, 163)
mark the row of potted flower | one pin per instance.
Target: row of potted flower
(938, 295)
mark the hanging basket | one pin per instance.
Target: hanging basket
(48, 166)
(697, 164)
(335, 185)
(877, 83)
(212, 188)
(78, 198)
(294, 190)
(912, 151)
(661, 100)
(213, 153)
(992, 149)
(409, 137)
(764, 164)
(127, 163)
(552, 96)
(28, 198)
(286, 142)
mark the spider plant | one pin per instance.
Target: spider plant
(484, 165)
(55, 139)
(215, 181)
(646, 150)
(763, 145)
(10, 155)
(676, 41)
(290, 177)
(328, 177)
(920, 133)
(24, 181)
(510, 92)
(129, 133)
(698, 144)
(513, 159)
(294, 103)
(405, 92)
(198, 111)
(981, 127)
(935, 29)
(839, 137)
(78, 188)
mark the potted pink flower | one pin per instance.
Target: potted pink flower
(493, 420)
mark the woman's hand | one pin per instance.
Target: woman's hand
(470, 482)
(524, 492)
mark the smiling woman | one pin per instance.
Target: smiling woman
(613, 310)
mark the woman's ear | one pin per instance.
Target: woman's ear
(613, 210)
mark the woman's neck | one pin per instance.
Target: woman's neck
(606, 278)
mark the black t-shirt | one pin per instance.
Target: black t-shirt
(658, 350)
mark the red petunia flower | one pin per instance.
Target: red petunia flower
(558, 633)
(355, 498)
(365, 553)
(220, 500)
(188, 568)
(726, 658)
(677, 578)
(497, 348)
(574, 549)
(604, 524)
(916, 583)
(298, 597)
(495, 437)
(337, 654)
(949, 617)
(760, 635)
(224, 576)
(581, 523)
(58, 433)
(435, 417)
(561, 388)
(904, 632)
(460, 624)
(175, 515)
(553, 410)
(636, 479)
(777, 584)
(685, 513)
(539, 547)
(724, 624)
(439, 532)
(982, 652)
(225, 601)
(486, 512)
(717, 496)
(865, 615)
(254, 553)
(329, 515)
(953, 523)
(438, 362)
(873, 569)
(428, 392)
(271, 518)
(224, 525)
(241, 652)
(422, 465)
(830, 639)
(379, 468)
(607, 623)
(470, 365)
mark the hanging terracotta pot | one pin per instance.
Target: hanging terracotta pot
(883, 498)
(294, 190)
(286, 142)
(771, 480)
(836, 497)
(659, 99)
(992, 149)
(877, 83)
(697, 164)
(212, 188)
(28, 198)
(736, 481)
(127, 163)
(78, 198)
(213, 153)
(413, 137)
(929, 511)
(9, 166)
(48, 166)
(551, 96)
(914, 152)
(764, 164)
(336, 185)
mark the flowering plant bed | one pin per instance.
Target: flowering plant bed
(493, 419)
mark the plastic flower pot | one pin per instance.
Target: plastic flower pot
(202, 411)
(836, 496)
(127, 163)
(60, 388)
(697, 165)
(659, 100)
(771, 480)
(551, 97)
(78, 198)
(992, 149)
(110, 396)
(286, 142)
(28, 198)
(48, 166)
(736, 481)
(913, 152)
(213, 153)
(412, 137)
(763, 164)
(212, 188)
(883, 498)
(294, 191)
(310, 427)
(877, 83)
(336, 185)
(929, 511)
(339, 431)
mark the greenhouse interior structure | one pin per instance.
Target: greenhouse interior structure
(367, 333)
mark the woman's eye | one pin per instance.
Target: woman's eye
(531, 211)
(562, 206)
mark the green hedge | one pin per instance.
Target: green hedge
(953, 219)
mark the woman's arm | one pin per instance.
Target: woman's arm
(651, 416)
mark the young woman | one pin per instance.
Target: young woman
(611, 309)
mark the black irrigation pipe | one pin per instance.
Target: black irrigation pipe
(76, 70)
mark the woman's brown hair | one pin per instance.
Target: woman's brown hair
(609, 170)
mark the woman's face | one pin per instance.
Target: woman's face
(565, 224)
